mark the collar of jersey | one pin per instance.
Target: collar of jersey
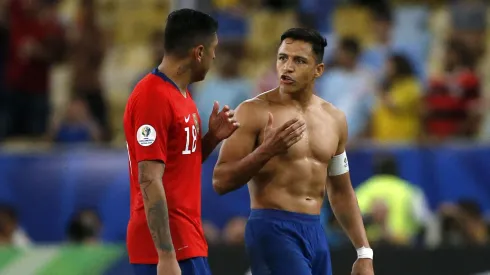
(164, 77)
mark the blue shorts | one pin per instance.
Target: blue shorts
(193, 266)
(286, 243)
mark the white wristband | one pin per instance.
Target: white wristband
(365, 253)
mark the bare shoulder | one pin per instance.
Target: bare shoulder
(332, 111)
(253, 112)
(338, 117)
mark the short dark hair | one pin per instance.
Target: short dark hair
(187, 28)
(351, 45)
(381, 12)
(317, 41)
(464, 55)
(470, 207)
(385, 164)
(403, 66)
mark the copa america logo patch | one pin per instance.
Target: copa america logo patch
(146, 135)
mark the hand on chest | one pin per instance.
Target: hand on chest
(319, 140)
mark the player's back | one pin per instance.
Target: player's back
(295, 181)
(161, 124)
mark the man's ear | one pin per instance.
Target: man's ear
(320, 68)
(198, 52)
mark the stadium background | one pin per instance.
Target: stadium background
(63, 169)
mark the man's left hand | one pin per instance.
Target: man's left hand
(222, 124)
(363, 267)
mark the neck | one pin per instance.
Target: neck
(177, 70)
(301, 97)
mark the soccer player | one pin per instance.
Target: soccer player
(163, 134)
(290, 148)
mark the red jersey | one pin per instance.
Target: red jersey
(161, 124)
(23, 28)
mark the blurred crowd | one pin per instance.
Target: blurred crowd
(404, 72)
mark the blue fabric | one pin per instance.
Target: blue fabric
(73, 134)
(286, 243)
(48, 187)
(193, 266)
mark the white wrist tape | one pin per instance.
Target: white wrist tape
(338, 165)
(365, 253)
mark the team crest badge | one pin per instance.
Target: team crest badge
(196, 122)
(146, 135)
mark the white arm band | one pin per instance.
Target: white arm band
(365, 253)
(338, 165)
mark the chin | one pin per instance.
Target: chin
(199, 78)
(288, 89)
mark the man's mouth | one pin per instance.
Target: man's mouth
(286, 79)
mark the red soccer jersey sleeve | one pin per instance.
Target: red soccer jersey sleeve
(151, 119)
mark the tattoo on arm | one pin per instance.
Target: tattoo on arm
(159, 225)
(150, 179)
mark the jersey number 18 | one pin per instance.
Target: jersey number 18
(187, 150)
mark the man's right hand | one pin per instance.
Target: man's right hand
(168, 266)
(278, 140)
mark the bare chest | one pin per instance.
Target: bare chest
(320, 139)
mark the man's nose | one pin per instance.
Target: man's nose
(288, 66)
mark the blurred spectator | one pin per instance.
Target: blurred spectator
(374, 57)
(76, 125)
(157, 48)
(463, 224)
(84, 227)
(4, 36)
(451, 103)
(395, 210)
(349, 87)
(87, 56)
(4, 26)
(227, 86)
(386, 44)
(396, 116)
(234, 231)
(469, 23)
(279, 5)
(11, 233)
(316, 14)
(36, 42)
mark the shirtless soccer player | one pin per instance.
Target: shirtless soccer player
(291, 147)
(166, 149)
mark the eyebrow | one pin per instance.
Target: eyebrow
(294, 56)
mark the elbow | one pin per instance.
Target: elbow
(220, 185)
(219, 188)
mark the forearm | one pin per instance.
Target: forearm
(208, 143)
(157, 215)
(233, 175)
(346, 209)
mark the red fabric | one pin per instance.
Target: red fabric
(29, 75)
(157, 105)
(449, 101)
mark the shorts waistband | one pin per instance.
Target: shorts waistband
(283, 215)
